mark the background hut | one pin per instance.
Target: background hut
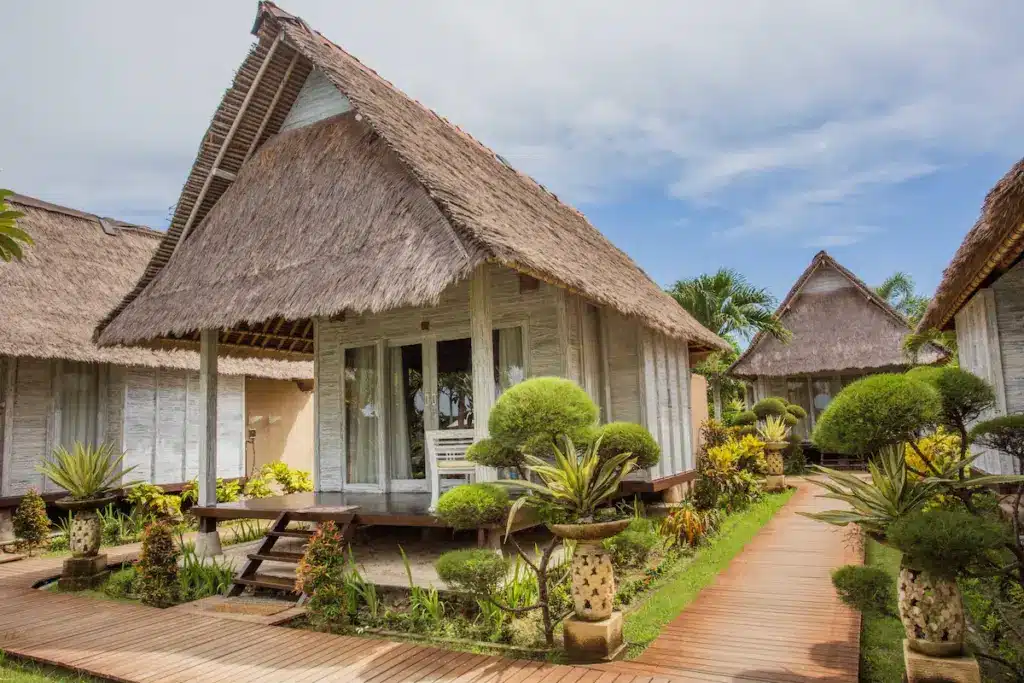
(842, 331)
(57, 386)
(981, 295)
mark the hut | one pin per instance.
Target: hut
(58, 387)
(842, 330)
(981, 296)
(330, 216)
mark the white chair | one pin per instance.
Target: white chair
(446, 457)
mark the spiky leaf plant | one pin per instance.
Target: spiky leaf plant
(31, 525)
(86, 472)
(12, 238)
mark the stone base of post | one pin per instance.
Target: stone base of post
(923, 668)
(593, 641)
(83, 573)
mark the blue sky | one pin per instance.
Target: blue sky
(695, 135)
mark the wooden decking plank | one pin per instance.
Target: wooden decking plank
(384, 666)
(417, 661)
(436, 662)
(312, 649)
(210, 649)
(281, 644)
(371, 652)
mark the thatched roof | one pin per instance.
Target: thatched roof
(381, 207)
(992, 246)
(838, 323)
(79, 267)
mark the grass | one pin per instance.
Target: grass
(881, 636)
(13, 670)
(672, 593)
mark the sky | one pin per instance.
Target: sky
(746, 134)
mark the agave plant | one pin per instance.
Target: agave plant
(773, 429)
(86, 472)
(874, 505)
(576, 483)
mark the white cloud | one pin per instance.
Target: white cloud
(781, 111)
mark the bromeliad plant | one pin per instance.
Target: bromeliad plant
(87, 472)
(773, 430)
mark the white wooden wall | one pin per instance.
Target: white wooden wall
(141, 411)
(665, 387)
(317, 100)
(1009, 299)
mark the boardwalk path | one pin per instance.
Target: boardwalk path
(771, 617)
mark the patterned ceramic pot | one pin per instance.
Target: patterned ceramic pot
(775, 463)
(593, 581)
(85, 534)
(932, 613)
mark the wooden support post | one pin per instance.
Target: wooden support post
(480, 327)
(208, 541)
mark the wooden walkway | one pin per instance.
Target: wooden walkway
(771, 617)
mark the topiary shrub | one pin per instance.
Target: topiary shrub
(773, 405)
(790, 419)
(490, 453)
(628, 437)
(963, 395)
(471, 506)
(945, 542)
(31, 525)
(1005, 434)
(530, 415)
(866, 589)
(633, 546)
(478, 571)
(796, 411)
(874, 412)
(746, 417)
(158, 566)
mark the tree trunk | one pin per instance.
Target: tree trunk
(716, 396)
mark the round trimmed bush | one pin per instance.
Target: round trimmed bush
(866, 589)
(490, 453)
(1004, 434)
(531, 414)
(964, 395)
(747, 417)
(874, 412)
(475, 570)
(471, 506)
(790, 419)
(796, 411)
(945, 542)
(769, 406)
(628, 437)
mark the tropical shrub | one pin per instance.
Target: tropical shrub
(151, 500)
(288, 479)
(471, 506)
(633, 546)
(490, 453)
(963, 396)
(866, 589)
(86, 472)
(774, 428)
(478, 570)
(198, 579)
(123, 584)
(158, 566)
(227, 491)
(746, 417)
(257, 487)
(1005, 434)
(31, 525)
(796, 411)
(683, 525)
(628, 437)
(320, 575)
(722, 482)
(877, 411)
(772, 405)
(940, 449)
(945, 542)
(794, 458)
(529, 416)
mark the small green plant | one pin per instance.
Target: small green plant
(257, 487)
(477, 570)
(628, 437)
(743, 418)
(61, 540)
(123, 584)
(773, 429)
(426, 604)
(31, 525)
(117, 528)
(86, 472)
(245, 531)
(227, 491)
(198, 579)
(150, 499)
(320, 575)
(290, 480)
(866, 589)
(633, 546)
(946, 542)
(158, 566)
(470, 506)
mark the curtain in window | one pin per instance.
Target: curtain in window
(508, 356)
(361, 414)
(80, 396)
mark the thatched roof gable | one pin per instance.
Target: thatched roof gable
(838, 324)
(73, 274)
(991, 247)
(493, 212)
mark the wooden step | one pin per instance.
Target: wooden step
(277, 556)
(292, 533)
(266, 581)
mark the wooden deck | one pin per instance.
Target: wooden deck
(771, 617)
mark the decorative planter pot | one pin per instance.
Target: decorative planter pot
(932, 613)
(85, 524)
(593, 581)
(589, 532)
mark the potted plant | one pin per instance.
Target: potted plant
(774, 432)
(572, 490)
(90, 475)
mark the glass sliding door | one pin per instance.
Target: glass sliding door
(509, 365)
(455, 384)
(362, 415)
(406, 412)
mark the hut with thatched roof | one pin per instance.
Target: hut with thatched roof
(58, 387)
(842, 330)
(328, 215)
(981, 296)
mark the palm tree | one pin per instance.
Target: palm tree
(11, 236)
(727, 304)
(898, 289)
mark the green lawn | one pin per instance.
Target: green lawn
(881, 636)
(671, 594)
(22, 671)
